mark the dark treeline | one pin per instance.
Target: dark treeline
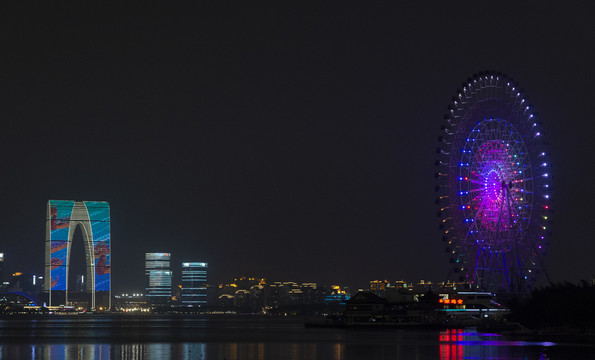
(562, 305)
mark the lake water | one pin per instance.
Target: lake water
(258, 338)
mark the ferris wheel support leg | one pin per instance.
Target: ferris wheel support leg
(518, 283)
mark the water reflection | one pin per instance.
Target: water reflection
(458, 344)
(111, 351)
(338, 352)
(452, 344)
(55, 352)
(150, 351)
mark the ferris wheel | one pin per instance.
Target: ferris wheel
(494, 186)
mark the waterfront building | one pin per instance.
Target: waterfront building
(337, 294)
(194, 283)
(1, 268)
(131, 303)
(63, 218)
(158, 278)
(379, 287)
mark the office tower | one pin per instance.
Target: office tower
(1, 268)
(158, 275)
(63, 217)
(194, 284)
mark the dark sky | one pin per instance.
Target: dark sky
(294, 141)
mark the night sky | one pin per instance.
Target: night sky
(294, 141)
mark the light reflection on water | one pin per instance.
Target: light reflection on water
(450, 348)
(231, 351)
(257, 339)
(458, 344)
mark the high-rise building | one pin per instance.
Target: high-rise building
(1, 268)
(63, 217)
(194, 284)
(158, 275)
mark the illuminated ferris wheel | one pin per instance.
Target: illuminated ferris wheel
(494, 186)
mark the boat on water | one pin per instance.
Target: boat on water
(461, 309)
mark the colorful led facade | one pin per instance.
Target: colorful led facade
(63, 217)
(158, 275)
(194, 283)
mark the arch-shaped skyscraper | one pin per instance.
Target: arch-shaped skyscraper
(63, 217)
